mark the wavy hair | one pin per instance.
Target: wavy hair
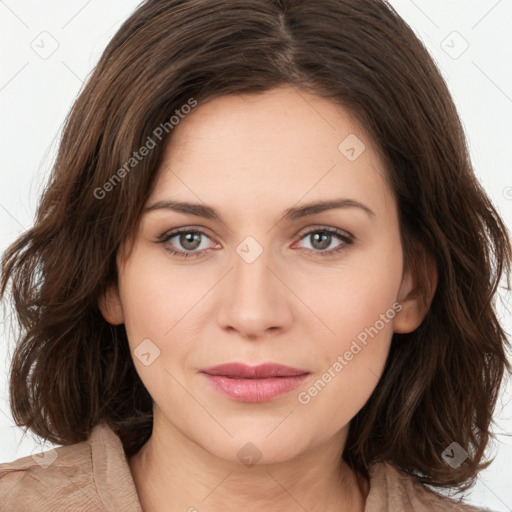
(71, 369)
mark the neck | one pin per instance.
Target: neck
(173, 473)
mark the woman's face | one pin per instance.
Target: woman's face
(255, 288)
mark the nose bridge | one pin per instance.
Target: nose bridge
(251, 267)
(253, 302)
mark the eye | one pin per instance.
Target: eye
(189, 242)
(322, 239)
(188, 239)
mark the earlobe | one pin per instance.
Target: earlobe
(415, 297)
(110, 306)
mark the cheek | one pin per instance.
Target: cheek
(158, 305)
(357, 305)
(361, 321)
(362, 312)
(156, 302)
(358, 297)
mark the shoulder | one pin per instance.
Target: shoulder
(66, 477)
(393, 489)
(51, 478)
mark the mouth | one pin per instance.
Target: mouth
(255, 384)
(262, 371)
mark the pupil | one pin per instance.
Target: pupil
(325, 242)
(187, 240)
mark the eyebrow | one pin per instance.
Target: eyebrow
(201, 210)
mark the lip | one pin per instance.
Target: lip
(261, 371)
(254, 383)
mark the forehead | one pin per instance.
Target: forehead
(277, 148)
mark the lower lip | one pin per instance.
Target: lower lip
(255, 390)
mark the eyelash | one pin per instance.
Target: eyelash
(343, 236)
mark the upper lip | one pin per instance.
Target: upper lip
(261, 371)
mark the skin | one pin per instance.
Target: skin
(251, 157)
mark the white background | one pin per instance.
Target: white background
(36, 94)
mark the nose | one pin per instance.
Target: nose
(255, 301)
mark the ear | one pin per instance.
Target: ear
(110, 305)
(415, 296)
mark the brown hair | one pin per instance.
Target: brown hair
(71, 369)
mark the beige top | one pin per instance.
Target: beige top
(95, 476)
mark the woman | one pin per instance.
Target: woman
(264, 275)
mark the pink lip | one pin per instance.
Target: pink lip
(254, 383)
(262, 371)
